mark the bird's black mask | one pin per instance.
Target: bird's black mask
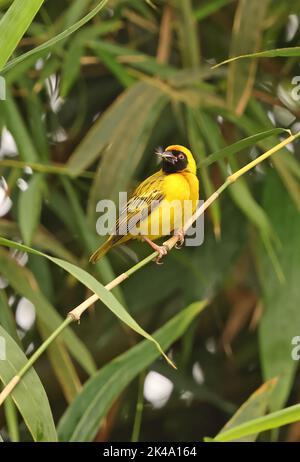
(176, 163)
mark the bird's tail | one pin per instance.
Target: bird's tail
(103, 249)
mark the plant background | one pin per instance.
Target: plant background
(81, 122)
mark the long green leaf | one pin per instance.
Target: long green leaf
(42, 239)
(7, 319)
(29, 395)
(89, 281)
(209, 7)
(281, 316)
(254, 407)
(14, 24)
(23, 281)
(275, 420)
(105, 128)
(110, 178)
(29, 207)
(41, 49)
(62, 365)
(246, 35)
(82, 419)
(277, 53)
(16, 125)
(240, 145)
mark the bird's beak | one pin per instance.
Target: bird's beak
(168, 156)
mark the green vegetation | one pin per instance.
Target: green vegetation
(92, 88)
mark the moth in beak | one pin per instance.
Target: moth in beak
(168, 156)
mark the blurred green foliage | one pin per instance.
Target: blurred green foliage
(92, 89)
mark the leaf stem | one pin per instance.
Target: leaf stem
(76, 313)
(43, 168)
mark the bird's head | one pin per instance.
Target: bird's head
(177, 158)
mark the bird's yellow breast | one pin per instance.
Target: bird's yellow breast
(181, 191)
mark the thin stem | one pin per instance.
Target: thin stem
(44, 346)
(11, 415)
(42, 168)
(76, 313)
(139, 410)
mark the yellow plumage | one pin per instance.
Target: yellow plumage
(149, 206)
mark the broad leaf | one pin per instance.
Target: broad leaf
(254, 407)
(83, 418)
(14, 24)
(281, 316)
(89, 281)
(29, 395)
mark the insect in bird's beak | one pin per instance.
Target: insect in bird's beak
(168, 156)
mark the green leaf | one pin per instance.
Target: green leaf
(42, 239)
(14, 24)
(82, 419)
(101, 132)
(254, 407)
(209, 7)
(240, 145)
(277, 53)
(198, 149)
(281, 316)
(89, 239)
(23, 281)
(108, 129)
(244, 199)
(135, 59)
(11, 417)
(30, 206)
(115, 67)
(239, 190)
(41, 49)
(275, 420)
(246, 35)
(108, 299)
(190, 47)
(72, 64)
(29, 395)
(62, 365)
(16, 125)
(145, 110)
(89, 281)
(7, 319)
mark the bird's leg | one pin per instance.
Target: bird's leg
(180, 234)
(161, 249)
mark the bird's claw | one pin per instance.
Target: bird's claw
(180, 235)
(162, 252)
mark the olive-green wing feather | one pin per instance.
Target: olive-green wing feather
(145, 198)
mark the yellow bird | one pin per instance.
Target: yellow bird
(157, 206)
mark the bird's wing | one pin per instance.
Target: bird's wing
(146, 197)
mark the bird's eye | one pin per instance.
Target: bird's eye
(181, 156)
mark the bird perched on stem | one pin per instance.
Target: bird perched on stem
(157, 206)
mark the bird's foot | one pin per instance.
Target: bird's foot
(162, 250)
(179, 233)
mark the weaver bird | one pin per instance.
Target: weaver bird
(158, 204)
